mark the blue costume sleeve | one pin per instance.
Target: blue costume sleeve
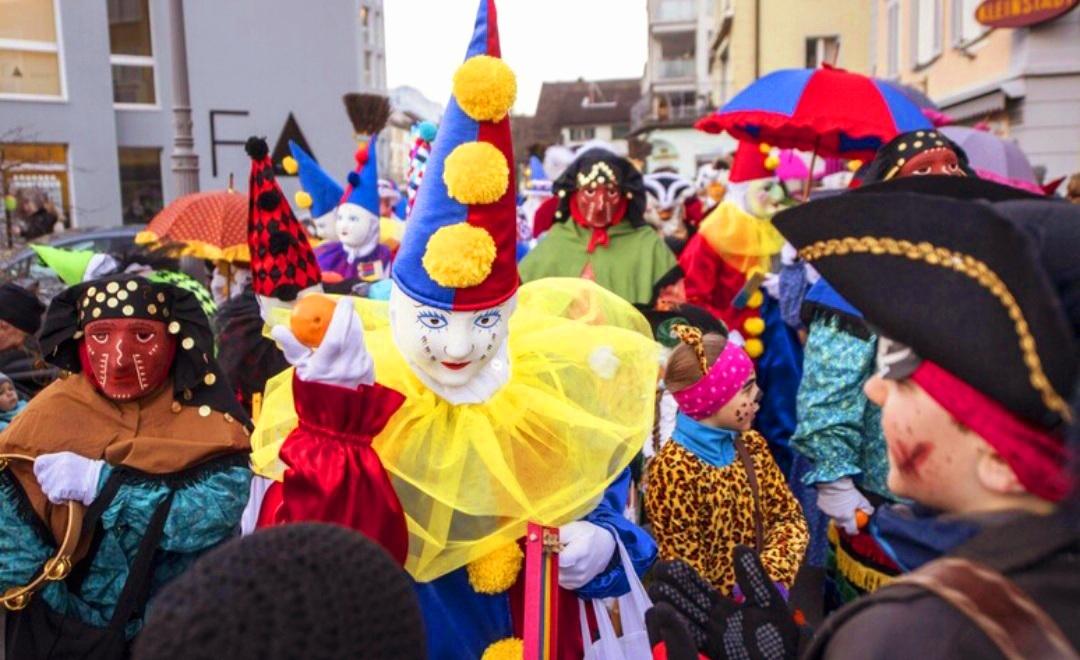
(23, 550)
(779, 370)
(205, 510)
(831, 404)
(639, 545)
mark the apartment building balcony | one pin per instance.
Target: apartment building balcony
(660, 110)
(672, 15)
(674, 70)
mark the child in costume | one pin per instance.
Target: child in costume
(715, 485)
(358, 253)
(518, 405)
(600, 232)
(10, 403)
(145, 439)
(975, 360)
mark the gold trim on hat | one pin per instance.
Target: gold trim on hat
(597, 174)
(967, 265)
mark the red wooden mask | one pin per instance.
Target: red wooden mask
(128, 358)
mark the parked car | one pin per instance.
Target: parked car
(26, 269)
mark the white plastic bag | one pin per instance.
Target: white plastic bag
(634, 642)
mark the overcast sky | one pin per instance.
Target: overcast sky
(542, 40)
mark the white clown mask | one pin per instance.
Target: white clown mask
(460, 355)
(326, 225)
(357, 229)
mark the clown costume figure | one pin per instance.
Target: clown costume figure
(513, 405)
(143, 443)
(319, 193)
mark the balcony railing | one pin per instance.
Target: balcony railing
(659, 111)
(674, 69)
(674, 11)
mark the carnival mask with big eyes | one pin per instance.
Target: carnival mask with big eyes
(940, 161)
(450, 348)
(128, 358)
(598, 206)
(356, 226)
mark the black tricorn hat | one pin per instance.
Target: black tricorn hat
(953, 280)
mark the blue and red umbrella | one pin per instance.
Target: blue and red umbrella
(829, 111)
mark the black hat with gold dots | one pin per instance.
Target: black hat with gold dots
(197, 379)
(892, 156)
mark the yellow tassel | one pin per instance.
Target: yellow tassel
(485, 88)
(302, 199)
(476, 173)
(754, 348)
(754, 326)
(459, 255)
(289, 164)
(510, 648)
(496, 572)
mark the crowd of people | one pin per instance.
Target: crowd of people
(602, 414)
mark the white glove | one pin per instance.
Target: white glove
(256, 495)
(66, 476)
(587, 552)
(342, 359)
(839, 500)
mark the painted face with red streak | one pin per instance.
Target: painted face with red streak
(932, 458)
(941, 161)
(128, 358)
(598, 206)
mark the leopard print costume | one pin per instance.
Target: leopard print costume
(699, 513)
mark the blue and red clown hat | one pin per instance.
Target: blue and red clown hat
(363, 187)
(458, 252)
(320, 192)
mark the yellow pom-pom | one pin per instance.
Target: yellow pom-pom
(764, 148)
(289, 164)
(302, 199)
(772, 162)
(496, 572)
(754, 348)
(755, 300)
(459, 255)
(754, 325)
(511, 648)
(476, 173)
(854, 165)
(485, 88)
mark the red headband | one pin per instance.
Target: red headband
(1036, 456)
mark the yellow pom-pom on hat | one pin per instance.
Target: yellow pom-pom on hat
(497, 571)
(511, 648)
(476, 173)
(754, 325)
(755, 300)
(772, 162)
(754, 348)
(302, 199)
(289, 164)
(459, 255)
(764, 148)
(485, 88)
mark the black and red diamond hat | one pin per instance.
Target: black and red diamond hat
(282, 262)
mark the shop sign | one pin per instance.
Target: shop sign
(1021, 13)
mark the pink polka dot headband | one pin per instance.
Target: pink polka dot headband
(720, 383)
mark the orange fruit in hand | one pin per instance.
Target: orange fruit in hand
(862, 518)
(310, 318)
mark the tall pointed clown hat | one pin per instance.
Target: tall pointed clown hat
(458, 252)
(749, 163)
(363, 187)
(320, 192)
(282, 262)
(539, 184)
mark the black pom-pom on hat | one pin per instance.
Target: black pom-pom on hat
(269, 200)
(354, 179)
(256, 147)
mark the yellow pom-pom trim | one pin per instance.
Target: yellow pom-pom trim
(302, 199)
(754, 348)
(485, 88)
(764, 148)
(772, 162)
(511, 648)
(496, 572)
(476, 173)
(754, 325)
(755, 300)
(459, 255)
(289, 164)
(854, 165)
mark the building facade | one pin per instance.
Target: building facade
(676, 85)
(1025, 82)
(575, 112)
(86, 94)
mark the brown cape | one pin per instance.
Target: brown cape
(154, 435)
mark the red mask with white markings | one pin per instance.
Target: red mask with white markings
(128, 358)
